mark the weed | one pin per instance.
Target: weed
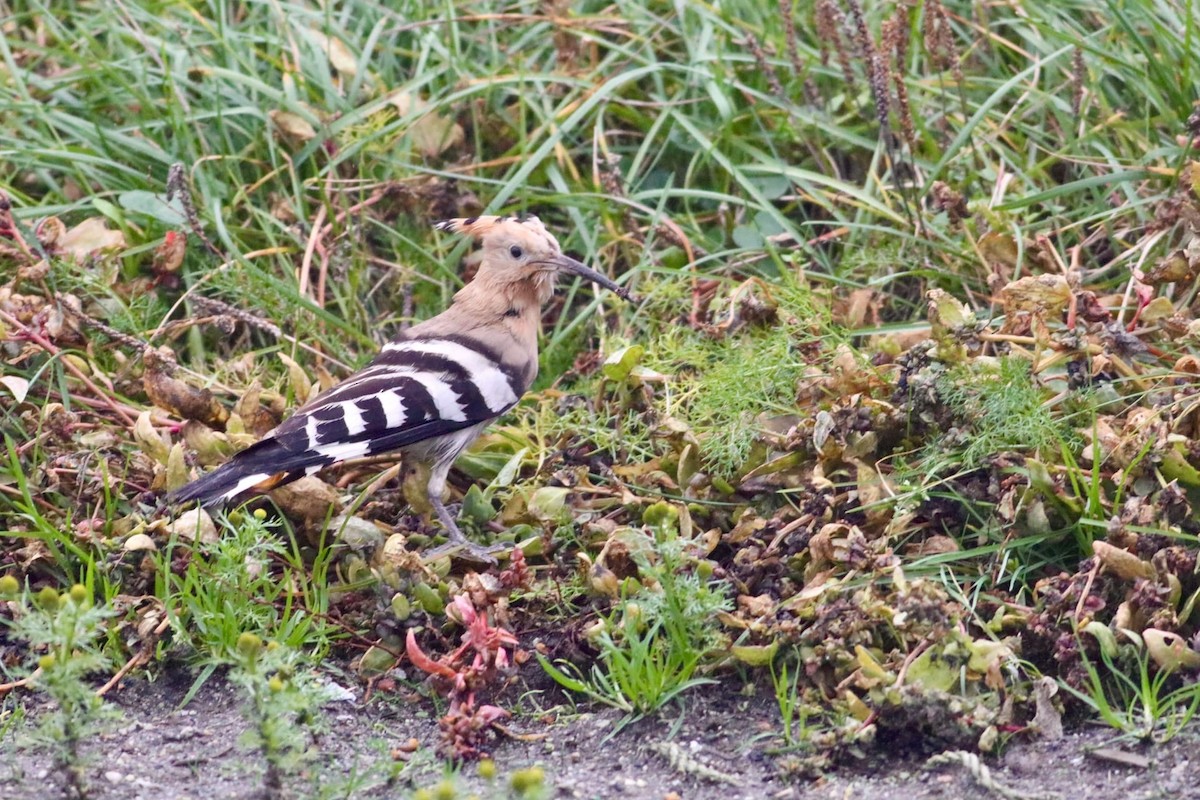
(1131, 695)
(233, 583)
(283, 700)
(65, 635)
(1002, 408)
(792, 709)
(657, 636)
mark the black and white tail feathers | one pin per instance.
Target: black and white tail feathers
(425, 390)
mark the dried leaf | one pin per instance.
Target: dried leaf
(172, 394)
(194, 525)
(90, 236)
(308, 499)
(1170, 651)
(1047, 720)
(18, 386)
(432, 134)
(291, 128)
(1046, 296)
(1122, 563)
(756, 655)
(168, 256)
(153, 443)
(300, 384)
(137, 542)
(340, 57)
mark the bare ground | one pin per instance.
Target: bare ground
(159, 750)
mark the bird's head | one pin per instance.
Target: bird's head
(520, 249)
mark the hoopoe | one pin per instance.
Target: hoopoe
(434, 388)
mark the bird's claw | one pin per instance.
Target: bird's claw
(466, 551)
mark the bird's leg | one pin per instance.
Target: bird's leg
(458, 544)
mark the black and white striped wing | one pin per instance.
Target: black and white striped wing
(414, 390)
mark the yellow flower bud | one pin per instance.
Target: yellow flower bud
(248, 644)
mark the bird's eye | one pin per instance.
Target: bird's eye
(515, 251)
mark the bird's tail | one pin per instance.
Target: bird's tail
(259, 467)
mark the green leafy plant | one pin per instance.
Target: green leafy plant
(792, 710)
(1132, 695)
(232, 583)
(65, 636)
(657, 635)
(1002, 407)
(283, 700)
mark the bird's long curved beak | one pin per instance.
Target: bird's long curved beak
(568, 264)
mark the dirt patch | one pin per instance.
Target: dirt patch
(161, 750)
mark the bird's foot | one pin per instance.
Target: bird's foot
(465, 550)
(459, 546)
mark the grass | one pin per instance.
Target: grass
(655, 639)
(780, 185)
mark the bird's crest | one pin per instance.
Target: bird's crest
(485, 228)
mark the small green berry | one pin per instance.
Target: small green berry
(487, 769)
(47, 598)
(524, 781)
(47, 661)
(275, 685)
(260, 514)
(444, 791)
(272, 646)
(248, 644)
(9, 585)
(80, 594)
(422, 794)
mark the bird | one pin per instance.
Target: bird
(431, 390)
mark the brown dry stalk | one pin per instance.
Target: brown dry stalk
(52, 349)
(939, 40)
(1078, 74)
(789, 35)
(876, 72)
(217, 307)
(830, 21)
(124, 339)
(764, 66)
(904, 111)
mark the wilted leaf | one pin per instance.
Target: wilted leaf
(309, 499)
(168, 256)
(756, 655)
(1044, 295)
(1047, 720)
(153, 443)
(89, 236)
(932, 671)
(1170, 651)
(999, 248)
(18, 386)
(291, 128)
(1103, 636)
(618, 365)
(1174, 466)
(1122, 563)
(194, 525)
(297, 379)
(340, 57)
(138, 541)
(172, 394)
(177, 471)
(432, 134)
(548, 502)
(375, 662)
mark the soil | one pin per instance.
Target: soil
(162, 750)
